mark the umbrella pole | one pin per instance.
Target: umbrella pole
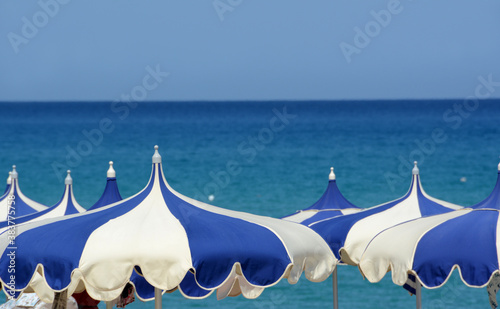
(335, 289)
(418, 294)
(158, 299)
(109, 305)
(60, 300)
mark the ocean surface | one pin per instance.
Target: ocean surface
(284, 151)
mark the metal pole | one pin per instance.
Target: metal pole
(418, 294)
(158, 299)
(109, 305)
(335, 289)
(60, 300)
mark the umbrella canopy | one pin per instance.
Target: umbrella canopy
(431, 248)
(331, 204)
(349, 235)
(21, 205)
(111, 193)
(68, 204)
(164, 235)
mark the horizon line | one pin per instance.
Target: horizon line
(245, 100)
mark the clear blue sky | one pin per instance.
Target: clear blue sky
(247, 49)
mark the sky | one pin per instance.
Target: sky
(63, 50)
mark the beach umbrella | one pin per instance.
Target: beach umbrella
(14, 203)
(349, 235)
(163, 235)
(431, 248)
(9, 182)
(331, 204)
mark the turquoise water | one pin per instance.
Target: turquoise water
(282, 152)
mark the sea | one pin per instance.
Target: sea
(267, 158)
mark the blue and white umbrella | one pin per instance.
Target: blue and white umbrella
(431, 248)
(164, 235)
(349, 235)
(14, 203)
(331, 204)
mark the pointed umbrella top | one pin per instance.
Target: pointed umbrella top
(13, 174)
(332, 174)
(332, 199)
(68, 204)
(156, 156)
(68, 180)
(23, 205)
(111, 171)
(331, 204)
(415, 170)
(111, 194)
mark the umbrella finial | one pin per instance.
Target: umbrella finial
(156, 156)
(68, 180)
(111, 170)
(13, 174)
(415, 170)
(332, 174)
(9, 179)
